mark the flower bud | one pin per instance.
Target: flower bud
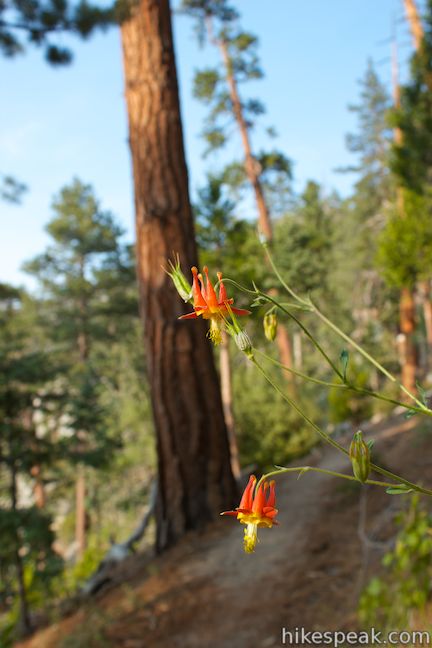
(359, 454)
(243, 342)
(270, 326)
(179, 280)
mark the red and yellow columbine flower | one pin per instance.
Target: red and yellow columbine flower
(207, 305)
(256, 509)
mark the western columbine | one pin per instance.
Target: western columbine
(255, 511)
(209, 306)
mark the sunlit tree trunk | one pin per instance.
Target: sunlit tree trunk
(80, 512)
(252, 166)
(407, 327)
(195, 476)
(24, 624)
(417, 33)
(253, 172)
(38, 488)
(407, 321)
(414, 22)
(425, 296)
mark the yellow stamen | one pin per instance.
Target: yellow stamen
(215, 333)
(250, 537)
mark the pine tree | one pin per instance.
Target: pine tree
(39, 23)
(195, 478)
(84, 284)
(26, 388)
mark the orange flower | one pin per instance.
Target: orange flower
(209, 306)
(255, 510)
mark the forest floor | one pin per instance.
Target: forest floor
(308, 572)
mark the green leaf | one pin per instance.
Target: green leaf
(344, 359)
(370, 443)
(423, 394)
(399, 489)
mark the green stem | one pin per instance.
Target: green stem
(306, 331)
(402, 480)
(295, 372)
(343, 335)
(294, 405)
(281, 279)
(332, 442)
(349, 386)
(324, 471)
(368, 357)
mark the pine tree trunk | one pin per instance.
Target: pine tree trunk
(226, 390)
(80, 512)
(407, 326)
(414, 21)
(38, 488)
(407, 321)
(195, 477)
(283, 342)
(253, 172)
(252, 166)
(427, 310)
(24, 626)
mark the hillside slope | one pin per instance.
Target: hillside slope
(207, 593)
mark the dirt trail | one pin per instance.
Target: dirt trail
(206, 593)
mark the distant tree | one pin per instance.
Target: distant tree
(219, 89)
(411, 164)
(303, 243)
(26, 554)
(11, 190)
(363, 216)
(267, 173)
(195, 477)
(39, 23)
(86, 284)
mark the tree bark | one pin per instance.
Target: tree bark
(24, 623)
(227, 402)
(407, 321)
(253, 173)
(425, 296)
(407, 326)
(252, 166)
(194, 471)
(80, 512)
(414, 21)
(38, 487)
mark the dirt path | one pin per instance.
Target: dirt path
(206, 593)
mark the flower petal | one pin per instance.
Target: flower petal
(188, 316)
(240, 311)
(199, 301)
(247, 497)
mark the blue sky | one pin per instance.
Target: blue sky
(59, 123)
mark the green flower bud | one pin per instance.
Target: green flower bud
(359, 454)
(179, 280)
(270, 326)
(243, 342)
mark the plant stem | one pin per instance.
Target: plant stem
(294, 405)
(324, 471)
(341, 334)
(368, 357)
(306, 331)
(332, 442)
(281, 279)
(349, 386)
